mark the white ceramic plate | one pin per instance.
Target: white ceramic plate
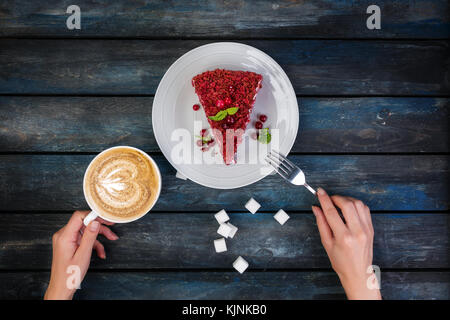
(175, 96)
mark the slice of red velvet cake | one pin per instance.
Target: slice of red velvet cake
(227, 98)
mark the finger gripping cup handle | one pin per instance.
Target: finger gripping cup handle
(91, 216)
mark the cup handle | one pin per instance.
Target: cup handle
(91, 216)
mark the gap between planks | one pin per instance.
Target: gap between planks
(152, 95)
(157, 153)
(299, 212)
(223, 38)
(225, 270)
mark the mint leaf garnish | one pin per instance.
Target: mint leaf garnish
(219, 115)
(264, 136)
(223, 113)
(232, 110)
(204, 139)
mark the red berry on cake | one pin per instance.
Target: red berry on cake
(220, 103)
(230, 120)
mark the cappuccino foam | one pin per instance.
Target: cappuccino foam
(122, 184)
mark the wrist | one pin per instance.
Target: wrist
(356, 288)
(55, 292)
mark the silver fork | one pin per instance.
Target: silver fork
(287, 170)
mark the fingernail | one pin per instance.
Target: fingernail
(321, 192)
(115, 237)
(104, 256)
(314, 210)
(94, 226)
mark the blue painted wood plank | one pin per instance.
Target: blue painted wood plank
(226, 285)
(396, 182)
(185, 241)
(218, 19)
(91, 124)
(315, 67)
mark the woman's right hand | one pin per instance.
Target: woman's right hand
(349, 244)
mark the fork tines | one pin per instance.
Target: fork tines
(287, 169)
(279, 162)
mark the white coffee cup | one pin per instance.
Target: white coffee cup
(94, 214)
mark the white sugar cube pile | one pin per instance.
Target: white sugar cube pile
(233, 230)
(240, 264)
(252, 205)
(281, 216)
(224, 230)
(227, 230)
(220, 245)
(222, 216)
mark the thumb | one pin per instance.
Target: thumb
(87, 241)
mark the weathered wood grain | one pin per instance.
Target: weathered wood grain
(315, 67)
(75, 123)
(373, 125)
(91, 124)
(54, 182)
(185, 240)
(225, 19)
(33, 184)
(226, 285)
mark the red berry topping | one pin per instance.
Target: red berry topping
(230, 120)
(258, 125)
(263, 118)
(196, 107)
(230, 89)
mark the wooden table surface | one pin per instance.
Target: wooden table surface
(374, 124)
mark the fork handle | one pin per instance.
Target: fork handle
(310, 189)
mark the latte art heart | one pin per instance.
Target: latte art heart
(121, 183)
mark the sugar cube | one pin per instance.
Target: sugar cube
(281, 216)
(180, 176)
(221, 216)
(220, 245)
(240, 264)
(224, 230)
(233, 231)
(252, 205)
